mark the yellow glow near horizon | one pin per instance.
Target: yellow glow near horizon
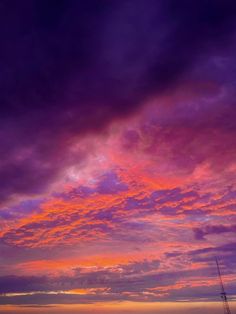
(122, 307)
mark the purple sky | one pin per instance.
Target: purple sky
(118, 155)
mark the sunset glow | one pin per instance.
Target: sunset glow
(118, 156)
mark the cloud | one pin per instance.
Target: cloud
(82, 278)
(213, 229)
(72, 68)
(133, 282)
(117, 150)
(112, 207)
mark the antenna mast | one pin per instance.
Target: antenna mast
(223, 293)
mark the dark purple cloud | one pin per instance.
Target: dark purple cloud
(71, 67)
(200, 233)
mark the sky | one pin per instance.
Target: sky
(118, 156)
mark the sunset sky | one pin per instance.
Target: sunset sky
(117, 156)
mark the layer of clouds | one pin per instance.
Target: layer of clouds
(72, 68)
(114, 206)
(161, 185)
(134, 282)
(166, 220)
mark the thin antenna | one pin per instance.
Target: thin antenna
(223, 293)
